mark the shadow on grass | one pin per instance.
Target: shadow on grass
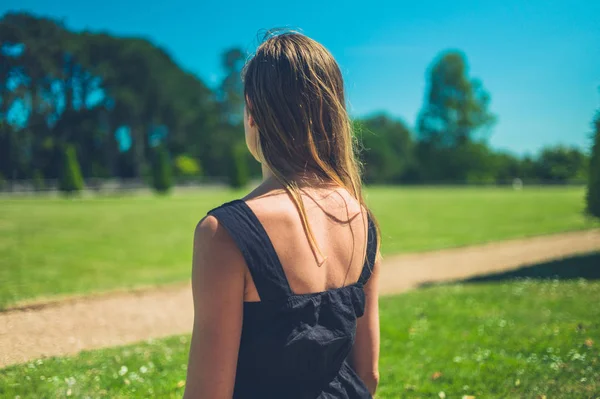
(582, 266)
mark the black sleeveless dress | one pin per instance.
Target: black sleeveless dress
(293, 346)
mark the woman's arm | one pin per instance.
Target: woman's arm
(218, 270)
(364, 358)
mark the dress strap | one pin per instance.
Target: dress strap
(255, 245)
(371, 252)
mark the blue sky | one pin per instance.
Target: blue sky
(540, 60)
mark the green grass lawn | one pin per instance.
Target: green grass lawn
(52, 247)
(502, 338)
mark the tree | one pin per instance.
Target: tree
(102, 94)
(593, 192)
(238, 169)
(560, 164)
(162, 177)
(528, 168)
(507, 167)
(455, 111)
(456, 106)
(231, 92)
(70, 180)
(387, 149)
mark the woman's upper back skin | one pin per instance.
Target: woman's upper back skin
(339, 227)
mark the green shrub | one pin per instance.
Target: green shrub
(162, 176)
(239, 173)
(593, 193)
(187, 166)
(70, 179)
(38, 180)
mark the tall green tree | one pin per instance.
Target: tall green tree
(162, 171)
(111, 98)
(593, 192)
(239, 173)
(231, 92)
(33, 49)
(70, 179)
(223, 148)
(453, 117)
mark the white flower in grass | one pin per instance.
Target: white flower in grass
(143, 369)
(123, 370)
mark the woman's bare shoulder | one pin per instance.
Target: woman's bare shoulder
(214, 245)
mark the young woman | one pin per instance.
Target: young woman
(285, 280)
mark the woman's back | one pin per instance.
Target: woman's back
(339, 226)
(295, 344)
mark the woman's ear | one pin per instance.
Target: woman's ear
(250, 120)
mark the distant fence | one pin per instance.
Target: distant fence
(96, 186)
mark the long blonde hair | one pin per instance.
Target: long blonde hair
(294, 91)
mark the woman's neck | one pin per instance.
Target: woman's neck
(266, 172)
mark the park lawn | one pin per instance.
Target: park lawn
(57, 247)
(504, 337)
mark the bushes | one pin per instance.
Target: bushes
(561, 164)
(593, 193)
(187, 166)
(387, 149)
(162, 176)
(70, 178)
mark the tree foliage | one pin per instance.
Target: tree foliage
(560, 164)
(454, 113)
(231, 91)
(456, 106)
(110, 97)
(387, 149)
(113, 100)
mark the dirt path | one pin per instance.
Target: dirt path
(115, 319)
